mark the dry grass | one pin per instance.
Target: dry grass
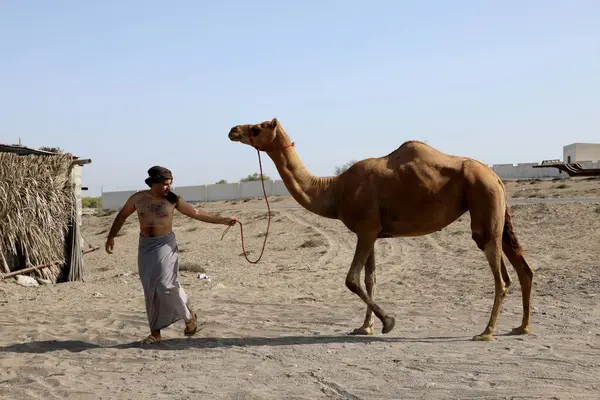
(312, 243)
(36, 204)
(192, 267)
(105, 213)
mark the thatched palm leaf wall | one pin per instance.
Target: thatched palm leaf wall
(36, 206)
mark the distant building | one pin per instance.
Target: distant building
(578, 152)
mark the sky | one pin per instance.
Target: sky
(132, 84)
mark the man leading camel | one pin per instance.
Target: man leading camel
(158, 258)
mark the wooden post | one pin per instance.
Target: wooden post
(4, 263)
(29, 269)
(91, 250)
(81, 162)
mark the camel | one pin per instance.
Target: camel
(415, 190)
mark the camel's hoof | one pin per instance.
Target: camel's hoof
(388, 324)
(484, 337)
(521, 330)
(363, 331)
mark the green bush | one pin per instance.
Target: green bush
(255, 177)
(91, 202)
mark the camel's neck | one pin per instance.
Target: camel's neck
(312, 192)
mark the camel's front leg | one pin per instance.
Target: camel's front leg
(370, 282)
(364, 248)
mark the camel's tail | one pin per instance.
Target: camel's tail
(514, 252)
(509, 237)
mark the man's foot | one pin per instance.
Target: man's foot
(151, 339)
(191, 326)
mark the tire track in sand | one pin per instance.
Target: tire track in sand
(341, 242)
(336, 245)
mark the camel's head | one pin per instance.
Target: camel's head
(263, 136)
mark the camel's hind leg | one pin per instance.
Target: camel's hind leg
(514, 253)
(370, 282)
(525, 280)
(487, 209)
(364, 248)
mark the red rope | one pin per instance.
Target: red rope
(268, 219)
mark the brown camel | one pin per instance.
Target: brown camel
(415, 190)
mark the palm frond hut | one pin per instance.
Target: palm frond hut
(40, 214)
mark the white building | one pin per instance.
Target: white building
(578, 152)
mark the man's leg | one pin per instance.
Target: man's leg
(191, 325)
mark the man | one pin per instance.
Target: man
(158, 258)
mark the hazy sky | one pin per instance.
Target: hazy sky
(131, 84)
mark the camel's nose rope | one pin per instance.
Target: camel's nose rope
(268, 218)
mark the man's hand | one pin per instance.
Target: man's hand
(110, 243)
(230, 221)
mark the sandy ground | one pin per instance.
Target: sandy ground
(278, 329)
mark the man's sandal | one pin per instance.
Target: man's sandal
(150, 340)
(191, 326)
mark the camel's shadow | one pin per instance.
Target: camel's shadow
(76, 346)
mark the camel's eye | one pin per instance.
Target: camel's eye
(255, 130)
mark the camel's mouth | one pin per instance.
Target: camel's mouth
(235, 136)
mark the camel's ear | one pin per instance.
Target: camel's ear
(274, 123)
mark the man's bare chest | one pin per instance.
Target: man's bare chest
(154, 209)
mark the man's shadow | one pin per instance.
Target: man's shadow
(76, 346)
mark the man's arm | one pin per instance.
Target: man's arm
(121, 217)
(187, 209)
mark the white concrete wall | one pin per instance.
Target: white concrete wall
(254, 189)
(524, 171)
(203, 193)
(115, 200)
(279, 189)
(234, 191)
(222, 191)
(192, 194)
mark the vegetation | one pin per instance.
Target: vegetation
(254, 177)
(91, 202)
(221, 182)
(339, 170)
(52, 149)
(192, 267)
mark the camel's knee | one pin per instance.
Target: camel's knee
(526, 271)
(505, 275)
(507, 282)
(503, 291)
(370, 279)
(500, 285)
(353, 283)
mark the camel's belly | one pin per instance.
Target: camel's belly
(417, 225)
(401, 230)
